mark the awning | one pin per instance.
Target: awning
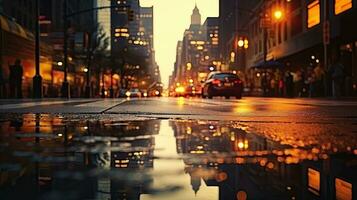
(268, 65)
(11, 26)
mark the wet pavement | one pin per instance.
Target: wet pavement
(111, 156)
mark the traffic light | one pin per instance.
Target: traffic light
(131, 15)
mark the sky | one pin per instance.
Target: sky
(171, 18)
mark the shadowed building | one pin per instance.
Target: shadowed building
(297, 39)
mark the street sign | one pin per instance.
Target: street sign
(326, 32)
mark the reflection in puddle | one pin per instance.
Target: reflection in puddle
(57, 157)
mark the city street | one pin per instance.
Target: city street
(178, 100)
(178, 144)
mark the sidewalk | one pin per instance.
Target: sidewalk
(94, 106)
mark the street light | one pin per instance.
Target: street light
(240, 43)
(37, 79)
(278, 14)
(65, 85)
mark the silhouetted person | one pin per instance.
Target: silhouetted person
(12, 81)
(337, 75)
(15, 79)
(2, 82)
(289, 84)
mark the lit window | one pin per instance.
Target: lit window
(313, 13)
(342, 5)
(343, 189)
(313, 181)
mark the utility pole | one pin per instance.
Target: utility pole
(326, 33)
(88, 72)
(265, 44)
(102, 91)
(65, 84)
(37, 79)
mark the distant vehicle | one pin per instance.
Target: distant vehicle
(222, 84)
(192, 91)
(180, 91)
(133, 93)
(122, 93)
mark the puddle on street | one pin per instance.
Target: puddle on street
(60, 157)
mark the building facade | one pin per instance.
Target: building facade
(233, 18)
(305, 30)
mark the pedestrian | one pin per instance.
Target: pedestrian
(2, 82)
(289, 84)
(15, 79)
(311, 80)
(319, 80)
(12, 81)
(299, 83)
(264, 83)
(337, 75)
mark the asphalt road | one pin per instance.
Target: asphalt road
(218, 108)
(268, 116)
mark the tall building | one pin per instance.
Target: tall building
(191, 53)
(211, 29)
(233, 18)
(147, 22)
(119, 26)
(147, 27)
(103, 16)
(196, 16)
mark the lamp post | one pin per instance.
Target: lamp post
(37, 79)
(111, 89)
(102, 91)
(65, 85)
(89, 59)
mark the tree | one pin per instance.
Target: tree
(97, 52)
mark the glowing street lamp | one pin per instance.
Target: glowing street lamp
(278, 14)
(243, 43)
(240, 43)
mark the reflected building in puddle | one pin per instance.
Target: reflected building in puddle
(97, 159)
(243, 165)
(52, 155)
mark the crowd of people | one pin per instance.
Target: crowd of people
(309, 82)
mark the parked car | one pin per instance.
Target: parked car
(222, 84)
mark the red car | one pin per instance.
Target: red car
(222, 84)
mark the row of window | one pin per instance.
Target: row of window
(314, 10)
(296, 20)
(146, 15)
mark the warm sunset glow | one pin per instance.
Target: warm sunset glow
(171, 18)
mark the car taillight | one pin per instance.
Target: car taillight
(237, 81)
(216, 82)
